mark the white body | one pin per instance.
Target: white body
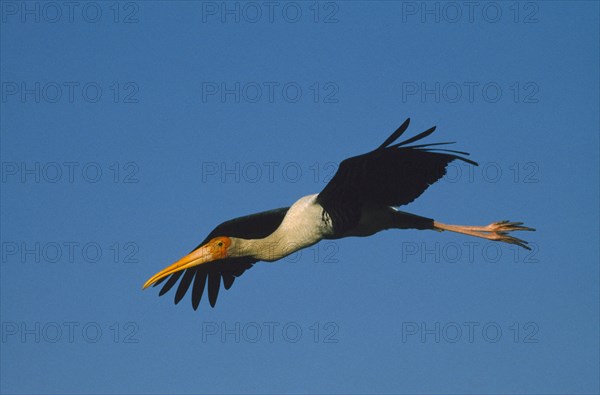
(305, 224)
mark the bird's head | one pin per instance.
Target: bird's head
(216, 248)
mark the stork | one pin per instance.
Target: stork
(360, 200)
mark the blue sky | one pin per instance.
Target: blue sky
(131, 129)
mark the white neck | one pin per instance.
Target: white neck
(301, 227)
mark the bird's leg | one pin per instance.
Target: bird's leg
(497, 231)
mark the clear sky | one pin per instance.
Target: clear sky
(130, 129)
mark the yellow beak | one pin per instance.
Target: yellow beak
(197, 257)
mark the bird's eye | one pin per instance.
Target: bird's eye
(220, 244)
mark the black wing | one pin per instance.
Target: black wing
(391, 175)
(255, 226)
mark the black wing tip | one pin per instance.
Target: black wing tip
(214, 285)
(198, 289)
(394, 136)
(202, 281)
(469, 161)
(184, 285)
(159, 282)
(422, 147)
(418, 137)
(449, 152)
(170, 283)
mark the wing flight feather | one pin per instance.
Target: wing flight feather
(391, 175)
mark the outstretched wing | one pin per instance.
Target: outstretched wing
(391, 175)
(255, 226)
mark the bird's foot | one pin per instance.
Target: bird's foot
(499, 232)
(506, 226)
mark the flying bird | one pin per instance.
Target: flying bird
(359, 200)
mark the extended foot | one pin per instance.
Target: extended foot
(506, 226)
(497, 231)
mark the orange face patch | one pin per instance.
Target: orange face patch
(219, 246)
